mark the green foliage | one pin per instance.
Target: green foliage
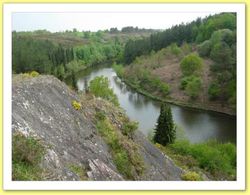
(217, 158)
(129, 128)
(214, 91)
(30, 74)
(40, 55)
(34, 73)
(198, 30)
(99, 86)
(186, 80)
(124, 152)
(27, 152)
(119, 69)
(191, 176)
(175, 49)
(216, 22)
(79, 170)
(193, 87)
(186, 48)
(100, 115)
(222, 54)
(142, 78)
(205, 48)
(76, 105)
(191, 64)
(165, 132)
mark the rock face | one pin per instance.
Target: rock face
(42, 107)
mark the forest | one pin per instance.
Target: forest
(65, 53)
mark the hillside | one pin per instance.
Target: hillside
(191, 64)
(44, 116)
(165, 65)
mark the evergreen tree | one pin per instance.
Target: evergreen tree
(165, 128)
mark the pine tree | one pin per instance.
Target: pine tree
(165, 129)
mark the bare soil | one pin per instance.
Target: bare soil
(170, 73)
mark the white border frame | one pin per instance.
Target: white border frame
(239, 184)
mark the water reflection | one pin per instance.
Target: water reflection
(198, 125)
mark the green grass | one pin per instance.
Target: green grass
(79, 170)
(124, 152)
(217, 159)
(27, 153)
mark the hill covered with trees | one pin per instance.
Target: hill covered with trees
(191, 64)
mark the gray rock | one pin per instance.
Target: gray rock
(42, 108)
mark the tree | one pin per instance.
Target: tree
(165, 132)
(191, 64)
(193, 87)
(99, 86)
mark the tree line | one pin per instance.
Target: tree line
(196, 31)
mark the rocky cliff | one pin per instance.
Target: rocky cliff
(42, 108)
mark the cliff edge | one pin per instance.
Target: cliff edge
(42, 108)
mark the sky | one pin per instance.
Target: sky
(62, 21)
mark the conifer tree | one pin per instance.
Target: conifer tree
(165, 131)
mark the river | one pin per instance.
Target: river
(196, 125)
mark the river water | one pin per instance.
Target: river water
(195, 125)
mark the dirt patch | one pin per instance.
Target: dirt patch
(170, 73)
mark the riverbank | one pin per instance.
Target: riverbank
(191, 105)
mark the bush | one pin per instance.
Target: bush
(175, 49)
(124, 151)
(76, 105)
(193, 87)
(119, 69)
(129, 128)
(191, 176)
(214, 91)
(186, 48)
(204, 48)
(191, 64)
(27, 153)
(222, 54)
(211, 156)
(99, 86)
(100, 115)
(34, 74)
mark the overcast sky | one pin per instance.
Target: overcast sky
(99, 21)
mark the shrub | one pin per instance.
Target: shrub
(222, 54)
(99, 86)
(193, 87)
(27, 152)
(129, 128)
(191, 176)
(214, 91)
(34, 73)
(175, 49)
(204, 48)
(100, 115)
(76, 105)
(119, 69)
(186, 48)
(124, 151)
(211, 156)
(191, 64)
